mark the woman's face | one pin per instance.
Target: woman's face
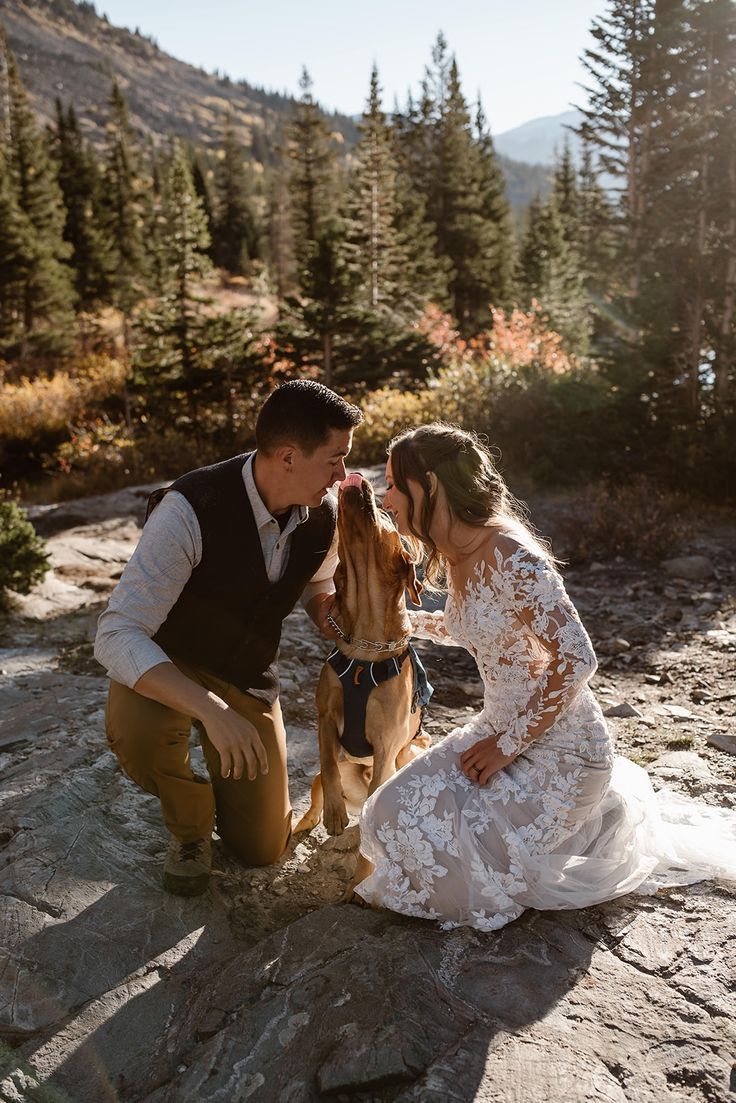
(398, 504)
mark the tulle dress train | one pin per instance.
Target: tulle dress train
(567, 823)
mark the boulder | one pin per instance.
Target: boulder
(623, 710)
(724, 741)
(693, 567)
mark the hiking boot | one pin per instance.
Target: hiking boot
(187, 867)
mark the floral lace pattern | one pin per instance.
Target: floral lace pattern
(445, 848)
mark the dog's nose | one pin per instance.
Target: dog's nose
(354, 479)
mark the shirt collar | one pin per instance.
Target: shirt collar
(298, 515)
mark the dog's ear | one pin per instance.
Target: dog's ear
(413, 584)
(339, 577)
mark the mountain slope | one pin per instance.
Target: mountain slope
(67, 50)
(537, 141)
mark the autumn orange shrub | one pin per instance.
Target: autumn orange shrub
(472, 379)
(33, 409)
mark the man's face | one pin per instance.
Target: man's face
(314, 474)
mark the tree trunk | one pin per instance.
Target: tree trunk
(374, 247)
(4, 100)
(694, 334)
(229, 414)
(639, 154)
(127, 400)
(327, 351)
(726, 343)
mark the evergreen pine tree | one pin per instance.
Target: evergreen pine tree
(496, 212)
(79, 179)
(692, 155)
(16, 262)
(156, 228)
(451, 163)
(235, 239)
(45, 315)
(661, 112)
(23, 558)
(373, 246)
(313, 178)
(425, 273)
(172, 357)
(464, 235)
(620, 118)
(324, 329)
(550, 273)
(595, 235)
(533, 253)
(565, 192)
(313, 321)
(282, 261)
(202, 188)
(124, 210)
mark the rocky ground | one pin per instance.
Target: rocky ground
(267, 988)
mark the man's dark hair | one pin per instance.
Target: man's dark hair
(303, 412)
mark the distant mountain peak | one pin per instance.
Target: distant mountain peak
(538, 141)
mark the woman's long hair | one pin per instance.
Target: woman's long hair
(475, 491)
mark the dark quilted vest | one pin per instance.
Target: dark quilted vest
(227, 619)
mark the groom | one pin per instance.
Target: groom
(192, 630)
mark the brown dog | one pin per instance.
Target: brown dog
(370, 613)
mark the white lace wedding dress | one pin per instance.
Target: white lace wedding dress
(567, 824)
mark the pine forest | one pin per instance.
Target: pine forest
(151, 295)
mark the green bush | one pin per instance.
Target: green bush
(23, 561)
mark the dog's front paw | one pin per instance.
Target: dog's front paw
(308, 821)
(363, 869)
(335, 817)
(350, 896)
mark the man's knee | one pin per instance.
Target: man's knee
(262, 851)
(144, 734)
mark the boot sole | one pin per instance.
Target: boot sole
(186, 886)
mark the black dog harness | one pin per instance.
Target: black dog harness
(359, 679)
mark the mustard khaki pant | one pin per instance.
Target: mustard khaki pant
(151, 742)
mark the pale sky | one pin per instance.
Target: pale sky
(522, 55)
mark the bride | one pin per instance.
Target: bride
(526, 805)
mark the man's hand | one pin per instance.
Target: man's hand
(481, 761)
(318, 608)
(235, 739)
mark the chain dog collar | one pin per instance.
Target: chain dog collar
(366, 645)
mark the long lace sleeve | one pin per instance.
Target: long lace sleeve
(542, 603)
(431, 626)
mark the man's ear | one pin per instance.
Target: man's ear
(285, 454)
(413, 584)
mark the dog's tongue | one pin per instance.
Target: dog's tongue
(355, 479)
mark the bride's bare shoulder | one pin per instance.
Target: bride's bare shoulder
(504, 546)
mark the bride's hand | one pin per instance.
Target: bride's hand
(481, 761)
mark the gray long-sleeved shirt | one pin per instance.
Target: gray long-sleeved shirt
(169, 549)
